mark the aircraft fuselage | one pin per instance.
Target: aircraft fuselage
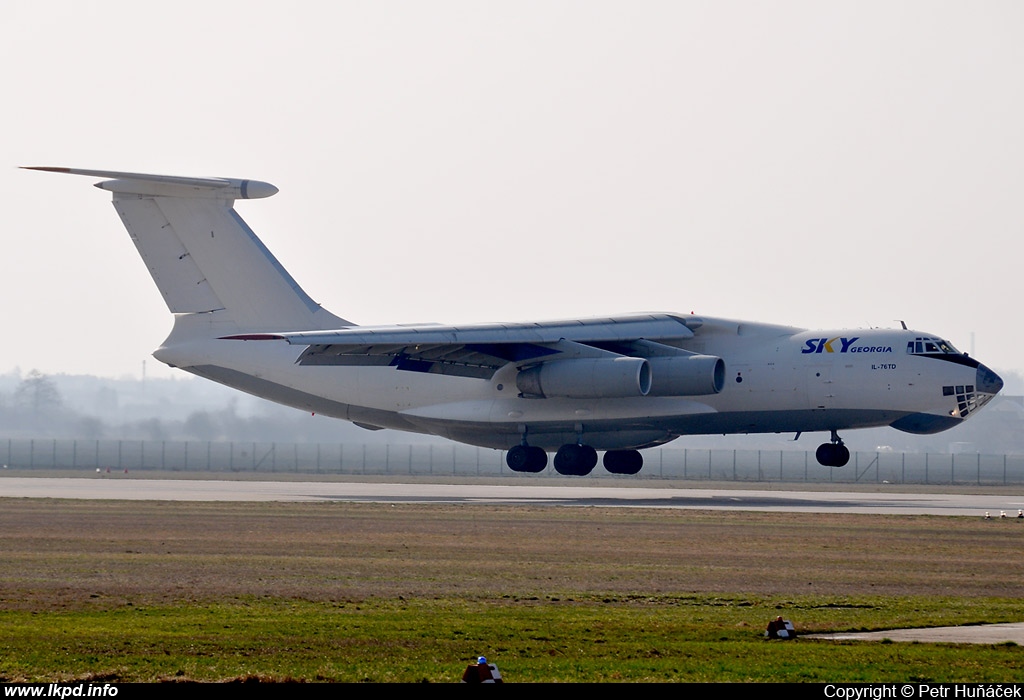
(777, 379)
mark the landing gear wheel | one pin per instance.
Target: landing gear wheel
(575, 460)
(517, 458)
(589, 459)
(526, 458)
(832, 455)
(623, 461)
(538, 460)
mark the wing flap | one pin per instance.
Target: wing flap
(461, 360)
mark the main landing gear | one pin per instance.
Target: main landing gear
(623, 461)
(524, 458)
(834, 453)
(573, 460)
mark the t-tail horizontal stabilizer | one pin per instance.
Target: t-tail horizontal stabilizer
(204, 258)
(172, 185)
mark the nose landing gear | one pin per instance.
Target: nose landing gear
(834, 453)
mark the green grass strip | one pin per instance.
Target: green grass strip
(699, 638)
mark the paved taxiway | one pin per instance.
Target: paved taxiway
(105, 487)
(972, 634)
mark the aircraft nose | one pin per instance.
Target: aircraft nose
(988, 382)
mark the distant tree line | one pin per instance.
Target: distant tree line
(35, 408)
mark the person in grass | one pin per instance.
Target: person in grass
(481, 672)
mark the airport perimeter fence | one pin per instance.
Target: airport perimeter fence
(117, 456)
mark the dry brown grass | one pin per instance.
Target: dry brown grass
(59, 554)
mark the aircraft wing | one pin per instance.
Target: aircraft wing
(480, 350)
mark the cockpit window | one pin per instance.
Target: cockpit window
(931, 346)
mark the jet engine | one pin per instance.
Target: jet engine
(686, 375)
(587, 378)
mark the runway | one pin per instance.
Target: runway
(106, 488)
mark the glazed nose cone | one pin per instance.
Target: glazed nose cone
(988, 382)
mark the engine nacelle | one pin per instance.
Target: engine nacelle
(686, 375)
(587, 378)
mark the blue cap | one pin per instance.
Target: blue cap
(481, 660)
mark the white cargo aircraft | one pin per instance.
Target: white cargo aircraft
(617, 384)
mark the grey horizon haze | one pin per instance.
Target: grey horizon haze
(821, 165)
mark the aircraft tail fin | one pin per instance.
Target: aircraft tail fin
(202, 255)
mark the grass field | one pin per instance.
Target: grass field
(147, 591)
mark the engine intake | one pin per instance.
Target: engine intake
(587, 378)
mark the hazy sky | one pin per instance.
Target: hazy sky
(820, 164)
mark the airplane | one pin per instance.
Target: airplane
(618, 384)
